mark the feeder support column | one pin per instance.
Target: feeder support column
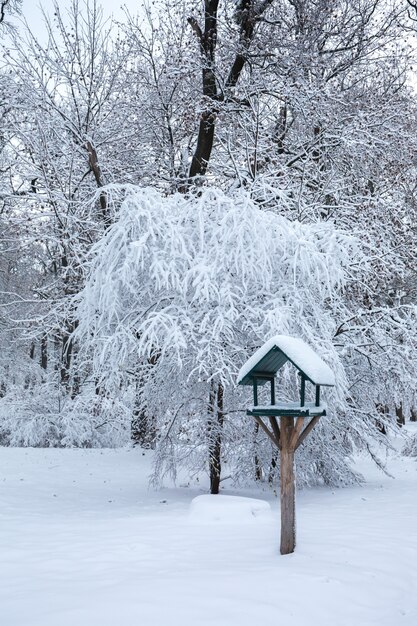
(287, 486)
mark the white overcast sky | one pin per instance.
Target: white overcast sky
(33, 14)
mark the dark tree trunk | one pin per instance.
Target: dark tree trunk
(27, 378)
(247, 16)
(5, 4)
(207, 41)
(258, 469)
(204, 147)
(384, 410)
(400, 415)
(67, 354)
(95, 168)
(215, 436)
(143, 429)
(273, 468)
(44, 353)
(413, 416)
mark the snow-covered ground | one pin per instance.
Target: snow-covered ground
(85, 542)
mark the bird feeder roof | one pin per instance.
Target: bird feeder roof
(276, 352)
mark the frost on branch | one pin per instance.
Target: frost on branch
(182, 290)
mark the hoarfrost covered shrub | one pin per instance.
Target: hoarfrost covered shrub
(410, 448)
(181, 290)
(45, 417)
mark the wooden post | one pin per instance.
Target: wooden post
(287, 486)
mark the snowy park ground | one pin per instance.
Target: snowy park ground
(85, 542)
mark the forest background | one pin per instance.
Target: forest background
(178, 186)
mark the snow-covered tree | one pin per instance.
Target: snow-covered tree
(182, 289)
(67, 136)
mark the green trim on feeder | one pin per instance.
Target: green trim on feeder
(272, 411)
(303, 389)
(266, 367)
(272, 391)
(317, 395)
(261, 377)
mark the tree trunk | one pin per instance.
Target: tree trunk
(44, 352)
(258, 469)
(142, 429)
(273, 468)
(67, 353)
(143, 426)
(400, 415)
(204, 144)
(384, 410)
(215, 437)
(207, 41)
(66, 358)
(249, 13)
(95, 168)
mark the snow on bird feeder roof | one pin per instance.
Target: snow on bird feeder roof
(276, 352)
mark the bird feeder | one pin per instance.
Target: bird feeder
(296, 419)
